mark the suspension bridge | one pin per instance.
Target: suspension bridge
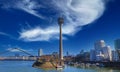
(27, 57)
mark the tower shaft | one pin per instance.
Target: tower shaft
(60, 45)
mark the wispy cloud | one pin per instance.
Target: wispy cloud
(7, 35)
(28, 6)
(77, 13)
(2, 33)
(39, 34)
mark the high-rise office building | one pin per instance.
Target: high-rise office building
(117, 47)
(99, 44)
(107, 53)
(101, 52)
(40, 52)
(100, 56)
(114, 56)
(67, 53)
(92, 55)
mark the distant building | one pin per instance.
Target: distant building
(45, 57)
(17, 55)
(49, 57)
(117, 47)
(100, 56)
(40, 52)
(99, 44)
(101, 52)
(114, 56)
(67, 53)
(107, 53)
(55, 55)
(92, 55)
(68, 58)
(84, 56)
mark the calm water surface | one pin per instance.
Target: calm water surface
(26, 66)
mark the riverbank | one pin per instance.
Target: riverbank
(46, 64)
(95, 64)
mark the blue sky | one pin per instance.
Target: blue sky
(32, 24)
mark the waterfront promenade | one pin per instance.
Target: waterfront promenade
(20, 58)
(112, 64)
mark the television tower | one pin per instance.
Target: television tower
(60, 22)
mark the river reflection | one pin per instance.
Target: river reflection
(26, 66)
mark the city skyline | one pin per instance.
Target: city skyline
(32, 24)
(101, 52)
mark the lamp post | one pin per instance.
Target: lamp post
(60, 22)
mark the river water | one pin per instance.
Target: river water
(26, 66)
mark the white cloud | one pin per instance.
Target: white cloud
(77, 13)
(39, 34)
(2, 33)
(29, 6)
(7, 35)
(81, 12)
